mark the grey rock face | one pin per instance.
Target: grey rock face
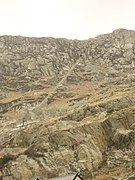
(20, 56)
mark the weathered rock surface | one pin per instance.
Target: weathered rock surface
(67, 106)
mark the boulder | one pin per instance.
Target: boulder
(123, 138)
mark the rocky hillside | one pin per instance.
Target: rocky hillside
(67, 106)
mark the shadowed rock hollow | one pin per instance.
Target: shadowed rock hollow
(67, 106)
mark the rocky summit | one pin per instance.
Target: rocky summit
(67, 106)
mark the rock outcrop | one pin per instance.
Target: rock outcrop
(67, 106)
